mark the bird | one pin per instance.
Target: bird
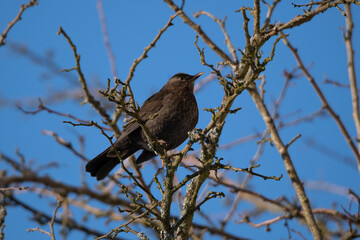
(169, 114)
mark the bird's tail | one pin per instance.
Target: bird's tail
(101, 165)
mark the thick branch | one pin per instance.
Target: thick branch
(299, 20)
(290, 168)
(351, 70)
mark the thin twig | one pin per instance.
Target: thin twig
(89, 98)
(64, 143)
(51, 223)
(293, 140)
(121, 228)
(149, 47)
(218, 166)
(110, 199)
(221, 23)
(51, 234)
(53, 68)
(42, 107)
(38, 230)
(71, 224)
(311, 3)
(13, 188)
(106, 38)
(239, 195)
(16, 19)
(269, 14)
(200, 32)
(264, 223)
(209, 195)
(337, 84)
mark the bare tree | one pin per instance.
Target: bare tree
(190, 179)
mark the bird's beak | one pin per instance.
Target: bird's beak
(196, 76)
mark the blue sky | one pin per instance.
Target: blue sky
(132, 25)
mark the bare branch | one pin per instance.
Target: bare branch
(325, 103)
(351, 71)
(293, 140)
(269, 14)
(16, 19)
(42, 107)
(106, 38)
(221, 23)
(256, 13)
(306, 17)
(47, 181)
(125, 227)
(51, 223)
(71, 224)
(290, 169)
(38, 230)
(13, 188)
(337, 84)
(209, 195)
(88, 96)
(262, 224)
(64, 143)
(149, 47)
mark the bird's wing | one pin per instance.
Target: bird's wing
(152, 105)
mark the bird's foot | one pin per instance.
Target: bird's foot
(163, 143)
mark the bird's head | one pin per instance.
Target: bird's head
(182, 80)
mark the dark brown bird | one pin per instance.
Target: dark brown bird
(175, 113)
